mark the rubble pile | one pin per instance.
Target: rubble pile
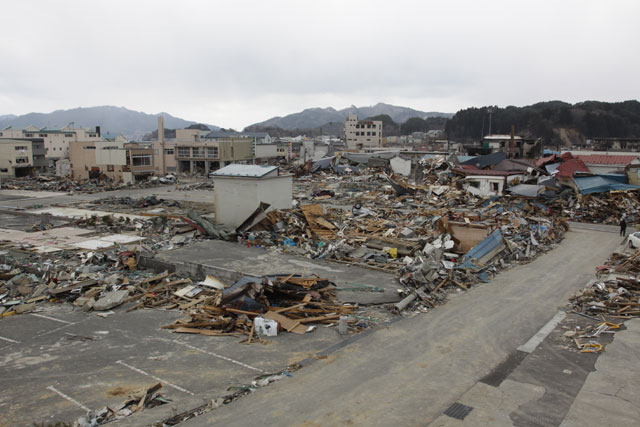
(616, 292)
(290, 303)
(66, 184)
(610, 299)
(421, 233)
(606, 208)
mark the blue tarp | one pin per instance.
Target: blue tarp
(601, 184)
(490, 244)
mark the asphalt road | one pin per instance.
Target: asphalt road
(409, 373)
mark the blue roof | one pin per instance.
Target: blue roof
(602, 184)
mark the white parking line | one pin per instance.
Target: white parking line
(217, 355)
(535, 340)
(10, 340)
(70, 399)
(55, 330)
(50, 318)
(140, 371)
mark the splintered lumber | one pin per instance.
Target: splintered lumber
(79, 285)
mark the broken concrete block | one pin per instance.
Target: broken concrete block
(111, 299)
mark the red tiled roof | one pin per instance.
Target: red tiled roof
(569, 167)
(606, 159)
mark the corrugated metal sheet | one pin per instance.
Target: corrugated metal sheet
(601, 184)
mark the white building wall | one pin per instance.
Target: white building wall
(236, 197)
(110, 156)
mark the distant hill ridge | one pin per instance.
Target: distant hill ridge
(114, 120)
(319, 117)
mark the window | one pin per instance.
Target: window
(212, 152)
(28, 135)
(0, 133)
(368, 133)
(68, 135)
(198, 151)
(19, 148)
(88, 147)
(141, 159)
(42, 135)
(4, 170)
(169, 151)
(92, 135)
(171, 168)
(373, 133)
(22, 160)
(109, 168)
(495, 187)
(184, 152)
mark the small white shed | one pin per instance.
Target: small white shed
(239, 189)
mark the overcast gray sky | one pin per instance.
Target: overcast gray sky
(234, 63)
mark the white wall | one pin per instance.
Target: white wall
(110, 156)
(236, 198)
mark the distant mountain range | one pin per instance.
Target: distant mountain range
(114, 120)
(319, 117)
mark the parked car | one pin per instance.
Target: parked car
(634, 240)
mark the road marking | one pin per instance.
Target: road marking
(51, 318)
(70, 399)
(55, 330)
(10, 340)
(535, 340)
(237, 362)
(140, 371)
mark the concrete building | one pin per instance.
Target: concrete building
(239, 190)
(522, 147)
(21, 157)
(362, 133)
(56, 141)
(208, 155)
(255, 137)
(118, 161)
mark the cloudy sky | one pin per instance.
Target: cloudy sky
(234, 63)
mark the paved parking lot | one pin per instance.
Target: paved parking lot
(58, 363)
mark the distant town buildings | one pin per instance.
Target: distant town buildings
(56, 141)
(362, 133)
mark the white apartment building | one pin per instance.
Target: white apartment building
(362, 133)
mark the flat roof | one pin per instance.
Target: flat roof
(252, 171)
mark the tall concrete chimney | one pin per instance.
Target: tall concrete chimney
(161, 162)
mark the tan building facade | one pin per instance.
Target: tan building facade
(362, 133)
(20, 157)
(117, 161)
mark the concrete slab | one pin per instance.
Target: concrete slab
(75, 213)
(610, 395)
(227, 260)
(25, 194)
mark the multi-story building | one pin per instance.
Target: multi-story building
(119, 161)
(21, 157)
(209, 155)
(56, 141)
(362, 133)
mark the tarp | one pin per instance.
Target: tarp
(601, 184)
